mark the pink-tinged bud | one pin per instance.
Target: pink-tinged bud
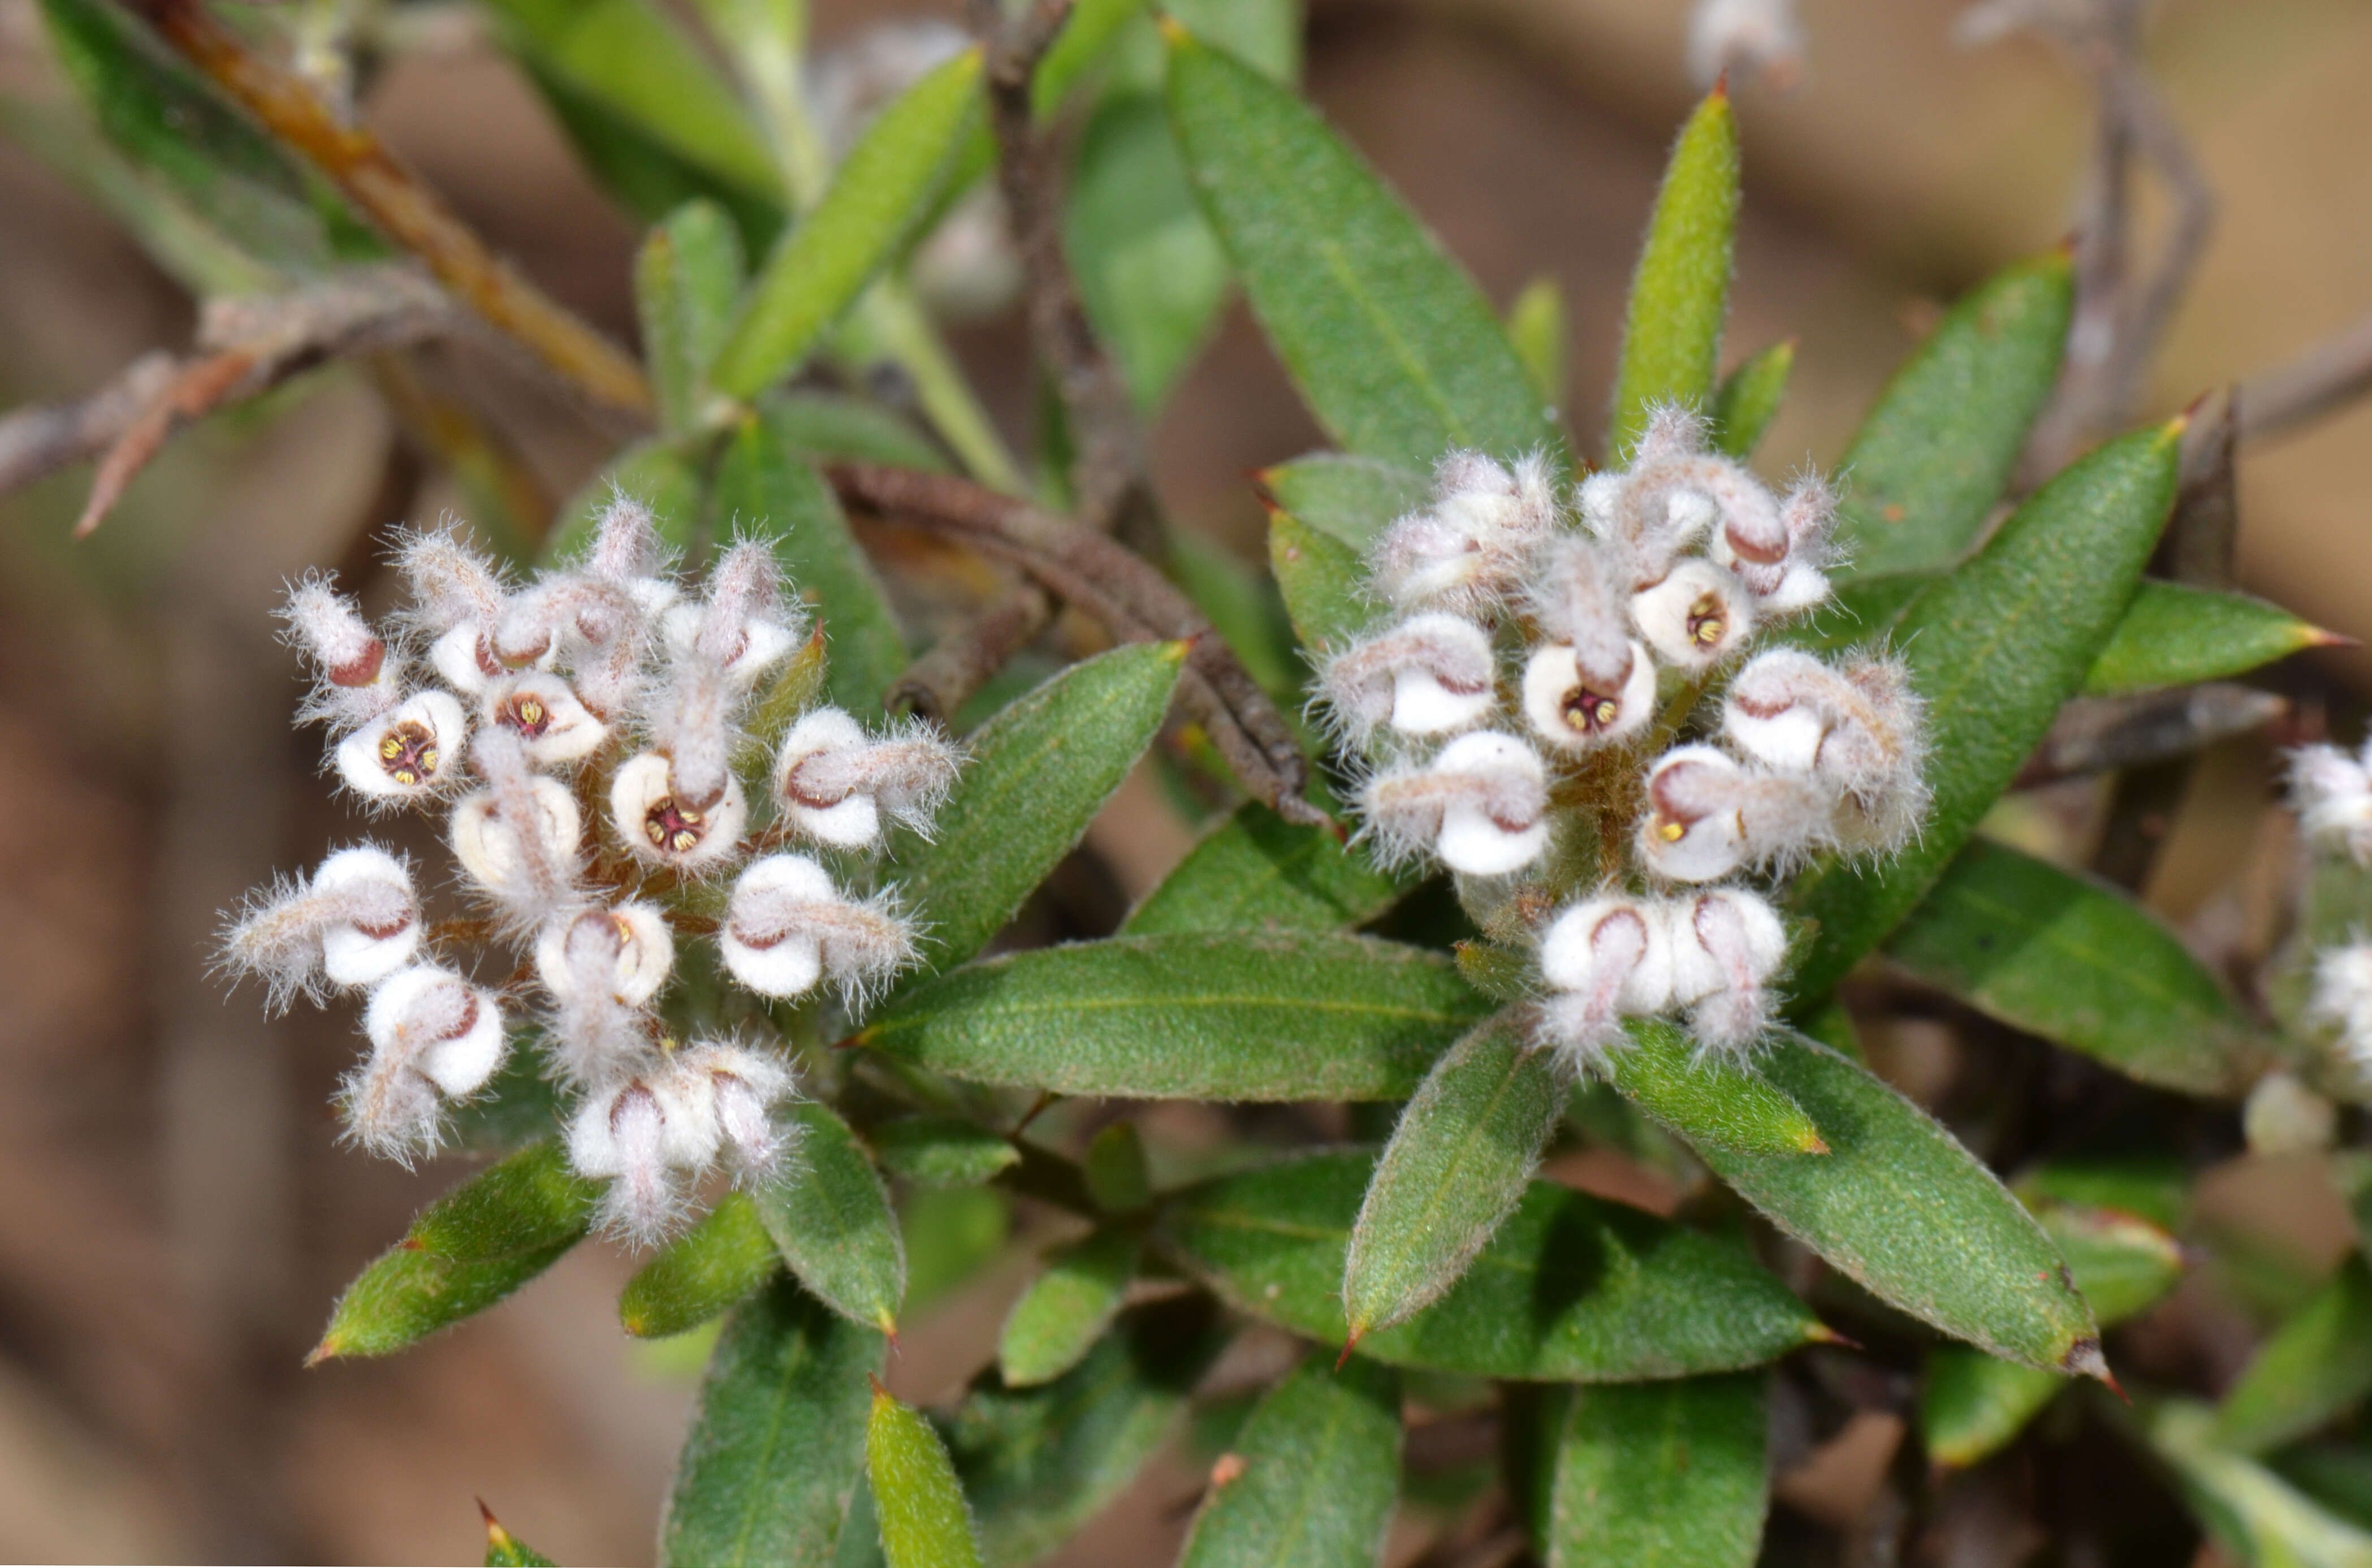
(625, 953)
(1858, 729)
(553, 728)
(1726, 944)
(626, 543)
(357, 678)
(1575, 711)
(659, 826)
(518, 839)
(739, 630)
(833, 783)
(452, 584)
(434, 1037)
(1429, 675)
(788, 928)
(1481, 806)
(410, 752)
(2331, 793)
(1604, 959)
(622, 1134)
(743, 1086)
(1465, 554)
(354, 923)
(1696, 617)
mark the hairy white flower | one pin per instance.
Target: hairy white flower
(835, 782)
(553, 728)
(517, 839)
(741, 629)
(1858, 728)
(625, 951)
(1759, 36)
(743, 1086)
(2331, 793)
(1604, 959)
(459, 600)
(1696, 617)
(1465, 554)
(353, 923)
(789, 927)
(1707, 815)
(1430, 674)
(356, 677)
(657, 825)
(1786, 576)
(2342, 997)
(1575, 711)
(1726, 944)
(407, 752)
(1481, 806)
(434, 1037)
(636, 1134)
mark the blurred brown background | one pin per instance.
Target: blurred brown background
(175, 1218)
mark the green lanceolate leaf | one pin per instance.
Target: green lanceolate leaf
(1392, 346)
(1461, 1158)
(1973, 1405)
(2173, 635)
(1037, 1463)
(2081, 964)
(942, 1151)
(779, 1443)
(635, 63)
(1536, 328)
(1660, 1475)
(505, 1550)
(1255, 871)
(1230, 1015)
(687, 285)
(818, 428)
(1747, 399)
(1058, 1319)
(884, 187)
(763, 491)
(466, 1251)
(1671, 336)
(1935, 454)
(1995, 649)
(1569, 1289)
(706, 1270)
(2253, 1513)
(831, 1221)
(920, 1508)
(2316, 1365)
(1905, 1210)
(1114, 1170)
(1321, 1471)
(1040, 771)
(1349, 499)
(1322, 580)
(1706, 1098)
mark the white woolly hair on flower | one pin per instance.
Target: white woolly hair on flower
(833, 782)
(2331, 793)
(601, 969)
(1859, 726)
(1605, 958)
(1707, 815)
(788, 928)
(1576, 712)
(1699, 615)
(744, 1085)
(1675, 491)
(459, 595)
(633, 1134)
(1576, 588)
(354, 921)
(356, 677)
(518, 839)
(1809, 512)
(741, 628)
(626, 546)
(1481, 806)
(553, 728)
(434, 1037)
(659, 826)
(408, 754)
(1762, 36)
(1430, 674)
(2342, 998)
(1465, 552)
(1726, 944)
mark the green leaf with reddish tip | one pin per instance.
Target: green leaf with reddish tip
(1349, 499)
(1037, 1463)
(763, 491)
(2173, 635)
(2315, 1365)
(1322, 580)
(1747, 399)
(778, 1445)
(466, 1251)
(706, 1270)
(1038, 773)
(889, 183)
(1659, 1475)
(1255, 871)
(1223, 1016)
(1459, 1160)
(1935, 454)
(2081, 964)
(924, 1520)
(686, 283)
(1707, 1096)
(1679, 296)
(505, 1550)
(1905, 1210)
(942, 1151)
(1392, 346)
(1569, 1289)
(1995, 649)
(1058, 1319)
(831, 1219)
(1320, 1472)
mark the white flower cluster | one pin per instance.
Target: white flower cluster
(1519, 683)
(2331, 793)
(604, 691)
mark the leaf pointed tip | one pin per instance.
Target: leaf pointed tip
(1812, 1143)
(327, 1349)
(1820, 1334)
(880, 1391)
(2084, 1360)
(2322, 637)
(1720, 93)
(1348, 1346)
(497, 1538)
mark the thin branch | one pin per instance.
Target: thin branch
(2324, 380)
(410, 213)
(35, 442)
(2096, 735)
(1102, 579)
(961, 663)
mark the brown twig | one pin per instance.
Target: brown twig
(2322, 381)
(1122, 590)
(2098, 735)
(962, 662)
(410, 213)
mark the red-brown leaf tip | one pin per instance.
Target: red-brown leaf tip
(1348, 1346)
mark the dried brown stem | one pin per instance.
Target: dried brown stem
(2322, 381)
(1103, 580)
(962, 662)
(2096, 735)
(410, 213)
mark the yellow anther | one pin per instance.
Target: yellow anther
(1671, 832)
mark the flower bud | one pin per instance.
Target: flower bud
(406, 753)
(1785, 573)
(432, 1034)
(787, 927)
(356, 677)
(739, 630)
(1575, 710)
(743, 1086)
(1428, 675)
(1466, 553)
(1604, 959)
(1857, 729)
(1481, 806)
(553, 728)
(1726, 944)
(517, 839)
(633, 1134)
(624, 952)
(354, 923)
(1696, 617)
(658, 826)
(1707, 815)
(833, 783)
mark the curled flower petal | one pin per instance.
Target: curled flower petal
(1575, 711)
(833, 783)
(1604, 959)
(1726, 944)
(409, 752)
(788, 928)
(553, 728)
(657, 825)
(1429, 675)
(1481, 806)
(1696, 617)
